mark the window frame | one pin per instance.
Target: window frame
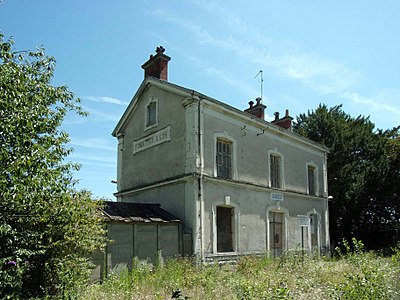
(285, 221)
(311, 165)
(281, 171)
(147, 125)
(317, 228)
(224, 136)
(224, 158)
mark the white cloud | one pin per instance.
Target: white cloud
(382, 102)
(105, 99)
(247, 89)
(201, 34)
(229, 18)
(96, 115)
(319, 74)
(81, 158)
(94, 143)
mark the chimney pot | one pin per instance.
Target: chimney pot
(256, 110)
(285, 122)
(157, 65)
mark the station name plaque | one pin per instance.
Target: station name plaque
(277, 196)
(164, 135)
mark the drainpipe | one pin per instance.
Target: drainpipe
(328, 198)
(328, 238)
(200, 178)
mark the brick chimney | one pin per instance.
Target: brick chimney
(256, 110)
(157, 65)
(285, 122)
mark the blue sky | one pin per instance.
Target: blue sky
(311, 52)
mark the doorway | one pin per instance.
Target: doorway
(314, 234)
(224, 229)
(276, 234)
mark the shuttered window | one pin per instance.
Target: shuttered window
(151, 113)
(311, 180)
(224, 159)
(275, 173)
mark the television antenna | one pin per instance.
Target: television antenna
(261, 82)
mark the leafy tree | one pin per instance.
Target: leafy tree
(363, 173)
(381, 218)
(47, 228)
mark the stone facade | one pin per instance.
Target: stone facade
(239, 184)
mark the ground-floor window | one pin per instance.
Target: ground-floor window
(276, 232)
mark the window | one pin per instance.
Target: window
(224, 159)
(224, 155)
(275, 172)
(151, 114)
(311, 180)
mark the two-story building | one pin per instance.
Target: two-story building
(238, 183)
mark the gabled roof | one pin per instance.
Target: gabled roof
(137, 212)
(166, 85)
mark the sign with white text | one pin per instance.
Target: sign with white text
(303, 221)
(277, 196)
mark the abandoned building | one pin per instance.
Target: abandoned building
(237, 183)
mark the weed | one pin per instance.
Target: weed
(354, 274)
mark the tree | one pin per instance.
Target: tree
(47, 227)
(381, 218)
(363, 173)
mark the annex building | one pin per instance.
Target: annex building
(237, 183)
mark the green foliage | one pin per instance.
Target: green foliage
(363, 174)
(396, 254)
(367, 278)
(355, 274)
(47, 228)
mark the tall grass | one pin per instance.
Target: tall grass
(352, 274)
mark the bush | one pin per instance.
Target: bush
(47, 228)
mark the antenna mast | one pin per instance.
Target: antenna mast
(261, 82)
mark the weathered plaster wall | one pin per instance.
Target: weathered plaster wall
(251, 206)
(252, 148)
(163, 160)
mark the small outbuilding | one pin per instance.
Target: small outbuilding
(143, 231)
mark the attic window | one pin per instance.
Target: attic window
(151, 114)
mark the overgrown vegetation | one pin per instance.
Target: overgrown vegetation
(352, 274)
(47, 227)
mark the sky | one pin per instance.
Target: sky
(310, 52)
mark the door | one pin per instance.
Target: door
(276, 236)
(314, 236)
(224, 229)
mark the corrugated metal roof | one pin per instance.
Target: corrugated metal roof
(136, 212)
